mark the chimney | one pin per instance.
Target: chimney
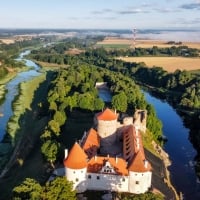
(66, 153)
(136, 131)
(116, 159)
(145, 163)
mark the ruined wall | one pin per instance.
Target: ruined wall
(140, 119)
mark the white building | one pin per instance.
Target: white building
(109, 158)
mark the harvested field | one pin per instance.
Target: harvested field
(74, 51)
(7, 41)
(169, 64)
(144, 43)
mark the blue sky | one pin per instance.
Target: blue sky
(104, 14)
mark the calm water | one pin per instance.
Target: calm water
(12, 88)
(180, 150)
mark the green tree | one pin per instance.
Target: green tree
(86, 101)
(60, 117)
(145, 196)
(28, 189)
(59, 189)
(98, 104)
(54, 126)
(50, 150)
(119, 102)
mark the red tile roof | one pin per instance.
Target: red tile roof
(107, 115)
(96, 163)
(139, 163)
(77, 159)
(91, 143)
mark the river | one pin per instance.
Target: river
(12, 91)
(179, 148)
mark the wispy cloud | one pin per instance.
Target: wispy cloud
(166, 10)
(191, 6)
(104, 11)
(188, 22)
(132, 11)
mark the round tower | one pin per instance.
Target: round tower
(107, 126)
(76, 168)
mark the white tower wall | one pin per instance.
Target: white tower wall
(139, 182)
(78, 177)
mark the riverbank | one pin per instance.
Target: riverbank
(161, 181)
(21, 105)
(6, 79)
(27, 151)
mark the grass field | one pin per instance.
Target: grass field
(113, 46)
(143, 43)
(22, 103)
(169, 64)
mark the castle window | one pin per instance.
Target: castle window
(74, 172)
(89, 176)
(98, 177)
(76, 179)
(123, 179)
(137, 182)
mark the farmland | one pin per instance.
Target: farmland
(123, 42)
(169, 64)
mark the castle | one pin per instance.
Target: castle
(110, 156)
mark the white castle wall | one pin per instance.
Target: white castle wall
(78, 177)
(107, 182)
(139, 182)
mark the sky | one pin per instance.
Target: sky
(100, 14)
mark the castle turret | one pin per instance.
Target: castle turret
(106, 127)
(76, 167)
(139, 174)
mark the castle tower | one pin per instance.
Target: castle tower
(106, 127)
(76, 167)
(139, 174)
